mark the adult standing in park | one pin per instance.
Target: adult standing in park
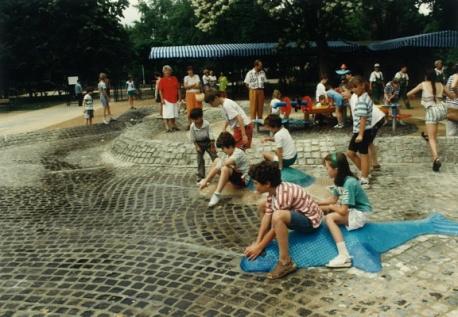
(211, 79)
(377, 84)
(104, 97)
(169, 90)
(255, 80)
(440, 71)
(79, 93)
(191, 84)
(452, 103)
(206, 79)
(403, 79)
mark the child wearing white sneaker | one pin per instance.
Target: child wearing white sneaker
(232, 169)
(347, 205)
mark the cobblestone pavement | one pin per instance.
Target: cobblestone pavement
(84, 235)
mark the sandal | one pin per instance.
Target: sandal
(424, 136)
(282, 270)
(437, 165)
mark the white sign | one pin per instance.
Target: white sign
(72, 80)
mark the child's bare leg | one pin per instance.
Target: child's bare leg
(339, 115)
(214, 170)
(343, 258)
(268, 156)
(364, 165)
(355, 159)
(226, 172)
(432, 134)
(280, 220)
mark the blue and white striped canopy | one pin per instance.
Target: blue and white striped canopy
(436, 39)
(236, 49)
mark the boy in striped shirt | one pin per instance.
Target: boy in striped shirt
(288, 206)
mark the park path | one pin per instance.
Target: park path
(59, 116)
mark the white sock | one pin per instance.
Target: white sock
(216, 193)
(342, 249)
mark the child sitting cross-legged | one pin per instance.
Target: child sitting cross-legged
(285, 153)
(347, 205)
(287, 206)
(231, 169)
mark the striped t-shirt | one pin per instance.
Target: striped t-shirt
(290, 196)
(363, 108)
(451, 102)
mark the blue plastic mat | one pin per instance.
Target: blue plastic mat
(365, 245)
(291, 175)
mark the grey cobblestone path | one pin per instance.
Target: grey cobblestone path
(83, 237)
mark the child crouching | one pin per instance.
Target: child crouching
(232, 169)
(285, 153)
(287, 206)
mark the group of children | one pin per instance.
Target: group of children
(287, 205)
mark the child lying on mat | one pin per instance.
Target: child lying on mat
(287, 206)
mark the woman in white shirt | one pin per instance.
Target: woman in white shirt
(192, 86)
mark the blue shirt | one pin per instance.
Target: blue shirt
(78, 89)
(363, 109)
(338, 99)
(352, 195)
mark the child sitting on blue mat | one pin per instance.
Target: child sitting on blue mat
(285, 154)
(287, 206)
(348, 205)
(276, 103)
(233, 169)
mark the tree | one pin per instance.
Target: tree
(45, 41)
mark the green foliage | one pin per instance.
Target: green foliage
(48, 40)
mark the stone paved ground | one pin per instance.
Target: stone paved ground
(82, 234)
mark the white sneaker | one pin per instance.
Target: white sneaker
(364, 183)
(105, 121)
(339, 261)
(214, 200)
(338, 126)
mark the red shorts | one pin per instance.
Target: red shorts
(238, 137)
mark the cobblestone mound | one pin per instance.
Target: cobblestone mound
(146, 143)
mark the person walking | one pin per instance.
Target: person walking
(255, 80)
(432, 91)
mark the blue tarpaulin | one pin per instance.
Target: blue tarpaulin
(236, 49)
(442, 39)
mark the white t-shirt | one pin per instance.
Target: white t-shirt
(188, 81)
(130, 85)
(376, 75)
(88, 102)
(230, 112)
(284, 140)
(241, 160)
(320, 91)
(377, 114)
(102, 89)
(273, 102)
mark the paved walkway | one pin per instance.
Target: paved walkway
(59, 116)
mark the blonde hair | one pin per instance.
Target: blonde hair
(276, 94)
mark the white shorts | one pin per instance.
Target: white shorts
(169, 111)
(356, 219)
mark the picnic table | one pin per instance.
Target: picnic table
(394, 115)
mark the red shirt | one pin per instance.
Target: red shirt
(169, 87)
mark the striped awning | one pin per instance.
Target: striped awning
(236, 49)
(442, 39)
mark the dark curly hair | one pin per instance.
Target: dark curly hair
(266, 172)
(196, 113)
(225, 139)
